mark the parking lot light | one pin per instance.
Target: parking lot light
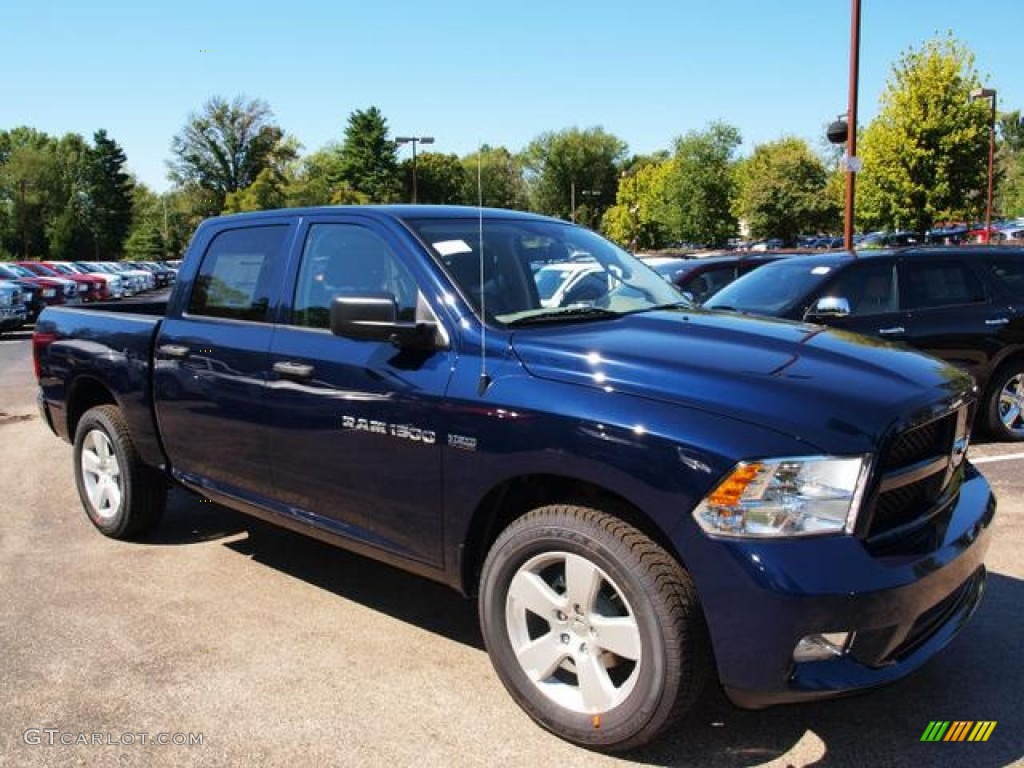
(990, 94)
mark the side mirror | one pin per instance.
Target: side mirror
(829, 306)
(374, 317)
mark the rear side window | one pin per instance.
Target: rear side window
(1010, 272)
(938, 284)
(704, 285)
(233, 281)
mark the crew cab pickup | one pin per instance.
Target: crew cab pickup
(643, 495)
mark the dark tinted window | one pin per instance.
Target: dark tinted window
(1010, 272)
(773, 289)
(705, 284)
(870, 288)
(233, 279)
(938, 284)
(340, 259)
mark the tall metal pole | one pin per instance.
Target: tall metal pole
(851, 117)
(414, 171)
(991, 158)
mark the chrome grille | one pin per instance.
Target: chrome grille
(919, 473)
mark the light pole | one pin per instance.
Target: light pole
(414, 140)
(990, 94)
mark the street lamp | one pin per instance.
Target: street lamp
(414, 140)
(990, 94)
(842, 131)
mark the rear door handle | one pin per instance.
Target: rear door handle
(289, 370)
(173, 351)
(892, 331)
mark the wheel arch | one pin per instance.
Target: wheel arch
(84, 393)
(514, 497)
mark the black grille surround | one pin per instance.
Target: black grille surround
(919, 474)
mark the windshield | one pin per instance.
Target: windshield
(536, 268)
(773, 289)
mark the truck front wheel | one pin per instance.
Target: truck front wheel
(122, 496)
(594, 629)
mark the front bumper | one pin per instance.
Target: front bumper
(13, 317)
(761, 597)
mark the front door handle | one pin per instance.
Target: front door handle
(173, 351)
(997, 321)
(892, 331)
(297, 371)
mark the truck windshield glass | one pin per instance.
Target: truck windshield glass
(772, 289)
(526, 267)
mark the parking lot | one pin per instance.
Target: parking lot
(274, 649)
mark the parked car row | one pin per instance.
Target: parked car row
(30, 286)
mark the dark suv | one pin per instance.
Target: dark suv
(963, 304)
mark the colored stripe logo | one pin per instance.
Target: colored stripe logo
(959, 730)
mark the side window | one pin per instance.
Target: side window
(938, 284)
(869, 289)
(234, 279)
(710, 282)
(1010, 272)
(340, 259)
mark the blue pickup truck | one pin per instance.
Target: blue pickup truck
(644, 496)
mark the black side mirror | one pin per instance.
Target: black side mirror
(374, 317)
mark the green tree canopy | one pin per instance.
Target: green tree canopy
(369, 157)
(110, 189)
(925, 154)
(224, 148)
(636, 220)
(782, 191)
(574, 174)
(440, 179)
(701, 185)
(500, 176)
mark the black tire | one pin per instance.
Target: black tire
(634, 582)
(1007, 385)
(122, 497)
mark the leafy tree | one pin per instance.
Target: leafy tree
(1009, 192)
(266, 192)
(500, 177)
(924, 155)
(225, 147)
(109, 202)
(782, 191)
(69, 206)
(369, 158)
(636, 220)
(440, 178)
(27, 174)
(145, 239)
(574, 174)
(701, 185)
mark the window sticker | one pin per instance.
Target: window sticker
(451, 247)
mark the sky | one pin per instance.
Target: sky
(472, 73)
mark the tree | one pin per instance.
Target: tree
(1009, 193)
(924, 155)
(265, 193)
(145, 239)
(782, 191)
(636, 220)
(369, 158)
(701, 185)
(28, 171)
(494, 177)
(225, 147)
(110, 188)
(574, 174)
(440, 179)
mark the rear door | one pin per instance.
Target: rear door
(211, 362)
(354, 424)
(949, 312)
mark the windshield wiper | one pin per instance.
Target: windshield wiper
(571, 315)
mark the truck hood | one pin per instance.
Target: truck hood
(836, 390)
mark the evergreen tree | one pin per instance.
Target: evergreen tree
(369, 158)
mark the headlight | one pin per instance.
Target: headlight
(786, 497)
(49, 292)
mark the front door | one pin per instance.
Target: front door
(355, 424)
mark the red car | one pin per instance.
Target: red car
(49, 290)
(88, 289)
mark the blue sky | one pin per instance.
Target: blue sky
(473, 72)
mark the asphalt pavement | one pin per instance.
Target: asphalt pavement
(239, 644)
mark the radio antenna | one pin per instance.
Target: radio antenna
(485, 379)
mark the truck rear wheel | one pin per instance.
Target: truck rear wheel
(594, 629)
(122, 496)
